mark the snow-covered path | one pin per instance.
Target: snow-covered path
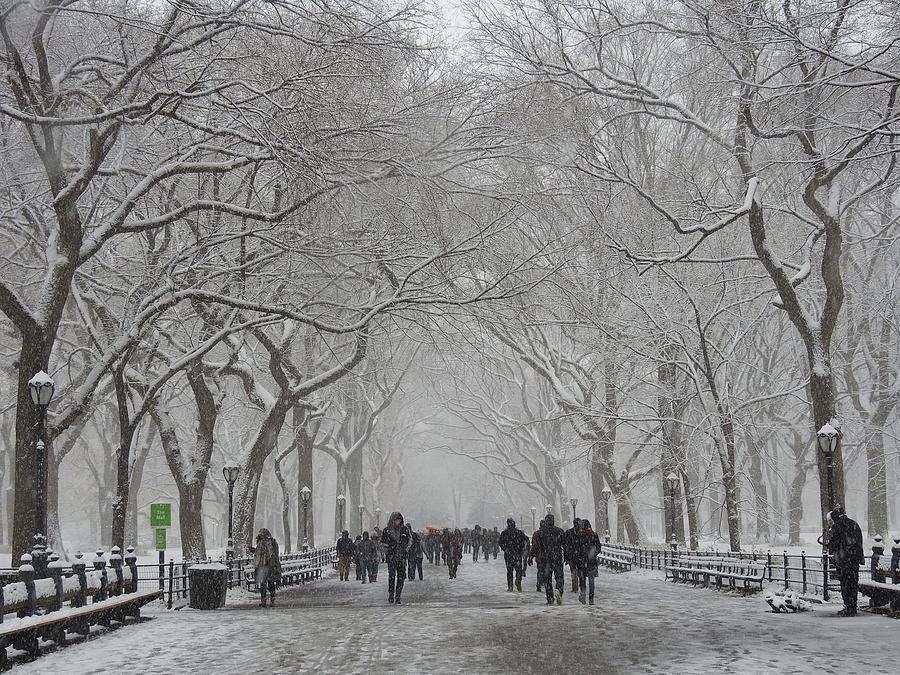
(640, 624)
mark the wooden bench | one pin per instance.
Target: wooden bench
(884, 586)
(615, 559)
(739, 574)
(291, 574)
(39, 603)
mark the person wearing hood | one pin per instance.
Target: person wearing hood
(477, 542)
(547, 547)
(452, 546)
(416, 554)
(584, 556)
(844, 544)
(396, 540)
(368, 551)
(569, 542)
(514, 544)
(344, 550)
(266, 565)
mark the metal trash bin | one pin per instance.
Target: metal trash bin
(208, 584)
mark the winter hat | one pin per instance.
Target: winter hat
(345, 533)
(585, 524)
(510, 523)
(838, 513)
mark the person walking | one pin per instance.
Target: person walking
(357, 558)
(368, 550)
(452, 549)
(414, 561)
(845, 547)
(535, 556)
(514, 544)
(344, 550)
(395, 538)
(585, 549)
(266, 565)
(548, 548)
(477, 542)
(569, 540)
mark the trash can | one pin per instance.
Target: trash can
(208, 584)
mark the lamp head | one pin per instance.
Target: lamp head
(828, 437)
(341, 499)
(672, 480)
(41, 388)
(305, 494)
(231, 473)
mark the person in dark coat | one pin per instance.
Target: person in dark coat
(266, 565)
(569, 551)
(344, 550)
(414, 559)
(845, 544)
(395, 538)
(368, 550)
(477, 542)
(585, 549)
(357, 559)
(514, 544)
(535, 557)
(547, 547)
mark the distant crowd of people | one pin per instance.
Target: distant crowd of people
(404, 551)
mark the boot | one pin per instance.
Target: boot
(591, 600)
(397, 601)
(581, 598)
(391, 599)
(519, 585)
(509, 588)
(262, 603)
(272, 601)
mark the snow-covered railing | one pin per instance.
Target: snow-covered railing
(77, 585)
(803, 572)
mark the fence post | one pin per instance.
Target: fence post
(769, 563)
(55, 569)
(78, 567)
(171, 582)
(100, 566)
(184, 579)
(26, 574)
(825, 576)
(115, 561)
(786, 579)
(131, 562)
(803, 568)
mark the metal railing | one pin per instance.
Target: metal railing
(806, 573)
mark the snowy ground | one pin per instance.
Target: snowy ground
(640, 624)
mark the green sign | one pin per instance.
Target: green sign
(160, 539)
(160, 515)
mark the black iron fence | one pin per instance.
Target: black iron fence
(172, 577)
(810, 573)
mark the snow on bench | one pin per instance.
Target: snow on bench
(884, 586)
(701, 569)
(616, 559)
(113, 597)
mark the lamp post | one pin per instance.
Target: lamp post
(341, 500)
(377, 516)
(305, 496)
(548, 508)
(827, 438)
(40, 388)
(231, 473)
(605, 494)
(574, 502)
(672, 483)
(533, 511)
(361, 510)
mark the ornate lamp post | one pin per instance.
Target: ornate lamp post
(361, 510)
(548, 508)
(341, 500)
(605, 494)
(533, 511)
(41, 388)
(828, 438)
(305, 496)
(378, 516)
(231, 473)
(574, 502)
(672, 483)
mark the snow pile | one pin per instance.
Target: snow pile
(787, 603)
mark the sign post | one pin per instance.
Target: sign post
(160, 519)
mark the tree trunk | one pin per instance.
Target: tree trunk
(190, 520)
(305, 431)
(132, 530)
(824, 412)
(758, 485)
(876, 496)
(127, 428)
(285, 503)
(691, 505)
